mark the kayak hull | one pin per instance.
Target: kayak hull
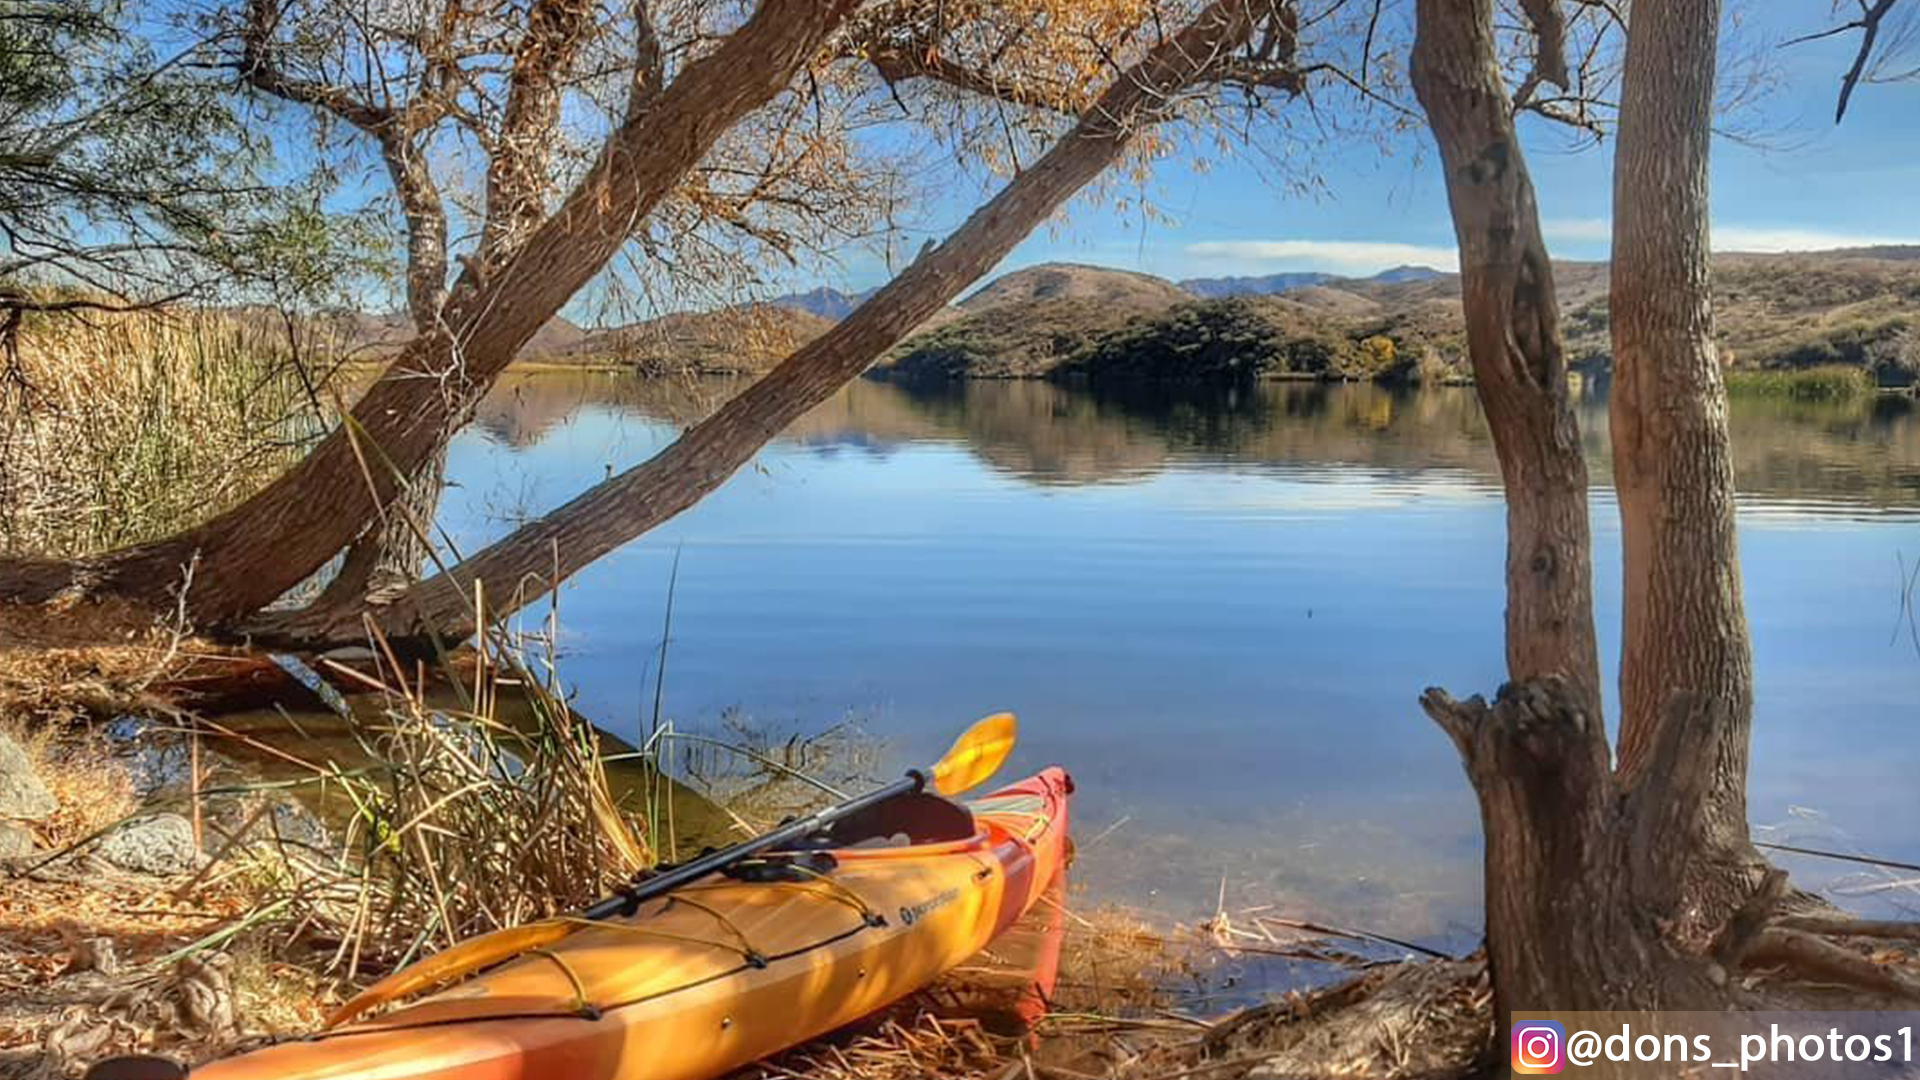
(717, 975)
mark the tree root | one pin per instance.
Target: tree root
(1817, 960)
(1428, 1019)
(1840, 926)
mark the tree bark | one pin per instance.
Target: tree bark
(1513, 338)
(426, 217)
(393, 552)
(390, 550)
(243, 559)
(517, 569)
(1684, 626)
(1582, 876)
(520, 163)
(1540, 769)
(1606, 889)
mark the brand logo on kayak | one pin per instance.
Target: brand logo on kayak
(914, 912)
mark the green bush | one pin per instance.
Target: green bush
(1826, 383)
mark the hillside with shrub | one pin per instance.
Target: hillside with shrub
(1856, 309)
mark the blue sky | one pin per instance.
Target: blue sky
(1813, 186)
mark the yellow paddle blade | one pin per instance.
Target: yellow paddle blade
(977, 754)
(451, 963)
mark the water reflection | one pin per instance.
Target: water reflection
(1849, 457)
(1217, 607)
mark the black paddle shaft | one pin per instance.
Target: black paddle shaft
(629, 899)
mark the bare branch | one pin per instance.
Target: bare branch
(903, 63)
(1549, 50)
(258, 68)
(1869, 23)
(649, 66)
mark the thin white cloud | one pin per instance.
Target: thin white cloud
(1363, 257)
(1333, 256)
(1767, 239)
(1727, 237)
(1576, 230)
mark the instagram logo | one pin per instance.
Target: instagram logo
(1536, 1047)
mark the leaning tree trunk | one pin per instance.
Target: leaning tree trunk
(243, 559)
(536, 557)
(1592, 875)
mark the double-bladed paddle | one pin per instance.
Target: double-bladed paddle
(974, 756)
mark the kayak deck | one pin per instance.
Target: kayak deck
(717, 974)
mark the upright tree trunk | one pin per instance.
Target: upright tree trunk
(1684, 628)
(514, 571)
(1513, 337)
(391, 552)
(1606, 889)
(1519, 365)
(243, 559)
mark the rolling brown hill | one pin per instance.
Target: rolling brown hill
(731, 341)
(1856, 307)
(1025, 323)
(743, 340)
(1074, 281)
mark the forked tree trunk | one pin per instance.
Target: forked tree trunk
(243, 559)
(1593, 878)
(519, 568)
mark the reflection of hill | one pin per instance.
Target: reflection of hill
(1865, 453)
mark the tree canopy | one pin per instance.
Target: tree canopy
(128, 177)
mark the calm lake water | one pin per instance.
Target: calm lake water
(1218, 609)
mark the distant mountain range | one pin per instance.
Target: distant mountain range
(1857, 306)
(824, 301)
(1270, 284)
(1066, 280)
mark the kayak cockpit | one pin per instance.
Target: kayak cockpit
(905, 821)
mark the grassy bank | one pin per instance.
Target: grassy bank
(1824, 383)
(328, 869)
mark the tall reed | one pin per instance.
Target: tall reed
(120, 428)
(458, 823)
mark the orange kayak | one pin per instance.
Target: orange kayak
(724, 972)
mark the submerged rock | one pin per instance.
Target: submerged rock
(22, 794)
(155, 844)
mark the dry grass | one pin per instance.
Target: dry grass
(121, 428)
(450, 815)
(79, 767)
(64, 662)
